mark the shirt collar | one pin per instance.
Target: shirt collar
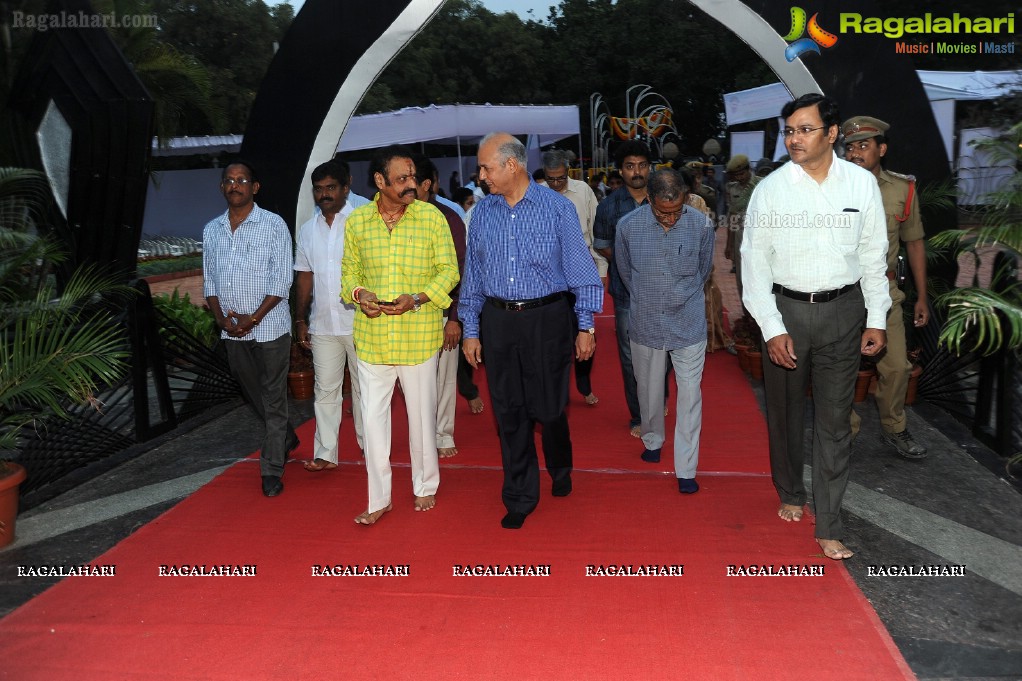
(799, 175)
(253, 216)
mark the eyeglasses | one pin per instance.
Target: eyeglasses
(231, 181)
(803, 131)
(551, 180)
(667, 215)
(635, 166)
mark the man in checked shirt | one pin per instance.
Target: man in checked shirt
(530, 292)
(246, 263)
(399, 267)
(664, 255)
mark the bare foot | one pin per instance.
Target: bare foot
(591, 399)
(319, 465)
(635, 431)
(790, 513)
(367, 518)
(834, 549)
(476, 405)
(425, 503)
(446, 452)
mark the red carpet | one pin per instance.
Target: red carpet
(285, 623)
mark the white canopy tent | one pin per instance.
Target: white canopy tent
(181, 201)
(454, 124)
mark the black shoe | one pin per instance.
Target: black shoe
(562, 487)
(651, 455)
(272, 485)
(688, 485)
(905, 445)
(512, 521)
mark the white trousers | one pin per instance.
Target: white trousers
(446, 396)
(418, 383)
(329, 356)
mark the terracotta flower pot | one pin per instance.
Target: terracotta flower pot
(301, 384)
(743, 356)
(755, 364)
(913, 384)
(9, 501)
(862, 381)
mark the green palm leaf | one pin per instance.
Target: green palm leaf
(981, 320)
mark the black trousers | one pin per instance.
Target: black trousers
(261, 371)
(582, 371)
(466, 386)
(528, 357)
(826, 338)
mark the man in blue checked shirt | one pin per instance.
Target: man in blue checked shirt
(528, 296)
(664, 254)
(246, 263)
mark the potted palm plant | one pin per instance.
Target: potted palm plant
(989, 320)
(980, 319)
(56, 346)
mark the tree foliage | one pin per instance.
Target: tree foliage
(179, 84)
(234, 40)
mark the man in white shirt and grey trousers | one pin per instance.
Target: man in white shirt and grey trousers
(329, 329)
(814, 273)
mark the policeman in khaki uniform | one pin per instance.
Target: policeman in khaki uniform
(738, 192)
(866, 145)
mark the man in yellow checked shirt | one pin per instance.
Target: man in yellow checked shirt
(399, 267)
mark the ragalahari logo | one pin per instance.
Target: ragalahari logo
(817, 36)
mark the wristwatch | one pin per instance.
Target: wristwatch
(591, 331)
(416, 302)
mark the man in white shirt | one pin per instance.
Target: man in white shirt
(813, 268)
(555, 176)
(329, 329)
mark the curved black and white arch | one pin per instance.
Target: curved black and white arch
(335, 50)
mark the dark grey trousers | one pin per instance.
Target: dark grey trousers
(261, 370)
(827, 338)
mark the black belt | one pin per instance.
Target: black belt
(816, 297)
(519, 305)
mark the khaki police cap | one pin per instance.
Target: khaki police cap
(863, 127)
(737, 162)
(696, 165)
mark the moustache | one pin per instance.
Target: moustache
(409, 192)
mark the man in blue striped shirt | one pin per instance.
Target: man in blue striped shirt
(529, 294)
(664, 254)
(246, 262)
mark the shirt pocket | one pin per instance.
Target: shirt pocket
(845, 229)
(415, 258)
(256, 257)
(684, 263)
